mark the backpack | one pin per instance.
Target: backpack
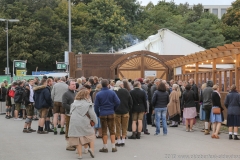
(11, 93)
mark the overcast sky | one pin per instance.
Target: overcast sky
(191, 2)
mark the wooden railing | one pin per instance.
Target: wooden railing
(224, 78)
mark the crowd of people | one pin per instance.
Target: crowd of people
(86, 108)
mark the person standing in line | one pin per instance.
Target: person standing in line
(139, 108)
(57, 92)
(18, 99)
(189, 111)
(81, 132)
(196, 95)
(216, 119)
(8, 104)
(160, 100)
(232, 103)
(207, 105)
(67, 100)
(43, 101)
(97, 126)
(174, 110)
(122, 113)
(29, 103)
(105, 104)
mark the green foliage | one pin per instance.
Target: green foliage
(41, 36)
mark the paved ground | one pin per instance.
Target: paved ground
(178, 144)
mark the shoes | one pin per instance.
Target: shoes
(42, 132)
(70, 148)
(138, 135)
(153, 125)
(191, 130)
(133, 136)
(79, 157)
(147, 133)
(50, 130)
(187, 130)
(118, 144)
(35, 119)
(174, 125)
(203, 130)
(236, 137)
(17, 119)
(114, 149)
(59, 126)
(8, 117)
(32, 130)
(122, 144)
(91, 153)
(55, 132)
(26, 131)
(156, 134)
(98, 136)
(206, 132)
(62, 132)
(230, 136)
(104, 150)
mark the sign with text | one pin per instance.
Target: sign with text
(61, 66)
(21, 73)
(20, 64)
(150, 73)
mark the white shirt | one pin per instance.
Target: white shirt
(31, 94)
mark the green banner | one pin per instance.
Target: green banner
(3, 78)
(61, 66)
(20, 64)
(15, 78)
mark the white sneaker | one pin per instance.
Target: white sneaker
(19, 119)
(85, 151)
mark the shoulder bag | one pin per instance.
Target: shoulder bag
(91, 121)
(216, 110)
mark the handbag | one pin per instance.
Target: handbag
(91, 121)
(216, 110)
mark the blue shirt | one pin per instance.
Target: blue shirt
(106, 102)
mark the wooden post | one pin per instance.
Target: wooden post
(237, 64)
(213, 71)
(225, 81)
(183, 72)
(220, 81)
(230, 78)
(205, 78)
(196, 73)
(142, 66)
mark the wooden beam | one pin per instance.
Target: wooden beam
(225, 81)
(220, 81)
(142, 66)
(230, 78)
(196, 73)
(213, 71)
(237, 64)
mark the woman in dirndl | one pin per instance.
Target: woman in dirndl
(81, 132)
(189, 111)
(216, 119)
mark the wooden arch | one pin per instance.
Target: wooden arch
(141, 57)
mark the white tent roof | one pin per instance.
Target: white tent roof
(165, 42)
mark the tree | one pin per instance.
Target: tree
(231, 23)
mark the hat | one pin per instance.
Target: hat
(140, 80)
(118, 83)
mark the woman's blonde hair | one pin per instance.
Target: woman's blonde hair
(204, 85)
(233, 87)
(82, 94)
(176, 87)
(2, 84)
(215, 87)
(98, 87)
(79, 80)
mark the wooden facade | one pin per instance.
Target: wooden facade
(111, 66)
(194, 66)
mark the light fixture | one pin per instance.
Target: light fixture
(235, 61)
(222, 60)
(202, 63)
(207, 61)
(211, 62)
(190, 70)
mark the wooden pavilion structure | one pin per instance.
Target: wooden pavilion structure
(220, 64)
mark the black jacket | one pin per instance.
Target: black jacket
(139, 100)
(42, 97)
(67, 100)
(19, 94)
(195, 90)
(3, 92)
(26, 96)
(125, 100)
(216, 100)
(188, 99)
(160, 99)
